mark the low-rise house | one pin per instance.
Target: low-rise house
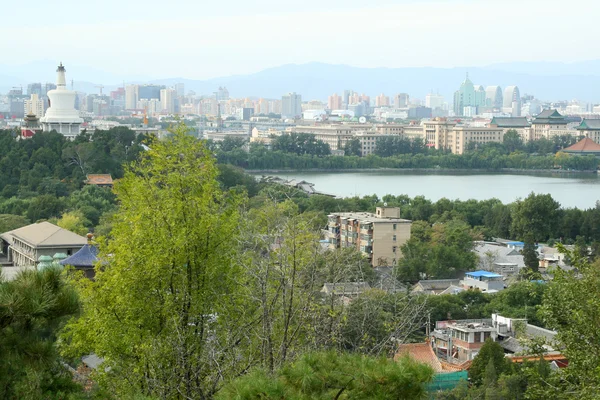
(347, 289)
(460, 341)
(435, 286)
(486, 281)
(503, 260)
(24, 246)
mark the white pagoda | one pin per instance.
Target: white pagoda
(61, 115)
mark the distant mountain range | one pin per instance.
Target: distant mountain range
(545, 80)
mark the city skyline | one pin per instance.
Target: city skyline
(121, 37)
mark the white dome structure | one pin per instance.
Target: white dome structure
(61, 115)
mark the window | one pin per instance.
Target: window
(394, 249)
(394, 238)
(394, 226)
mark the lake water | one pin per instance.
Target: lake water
(580, 190)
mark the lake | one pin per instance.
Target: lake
(580, 190)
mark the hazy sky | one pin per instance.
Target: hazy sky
(202, 39)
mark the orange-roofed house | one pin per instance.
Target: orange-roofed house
(585, 147)
(447, 376)
(102, 180)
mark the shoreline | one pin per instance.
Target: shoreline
(442, 170)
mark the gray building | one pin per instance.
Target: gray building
(291, 105)
(149, 91)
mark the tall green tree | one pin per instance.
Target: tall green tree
(572, 307)
(33, 307)
(530, 256)
(162, 311)
(490, 352)
(535, 216)
(512, 141)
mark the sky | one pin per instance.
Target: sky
(204, 39)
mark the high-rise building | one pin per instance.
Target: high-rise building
(180, 89)
(401, 100)
(61, 115)
(382, 101)
(262, 106)
(167, 99)
(468, 95)
(131, 96)
(493, 97)
(149, 91)
(48, 87)
(291, 105)
(346, 96)
(433, 101)
(34, 106)
(275, 106)
(222, 94)
(335, 102)
(512, 101)
(34, 88)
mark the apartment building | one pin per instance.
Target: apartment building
(457, 139)
(378, 236)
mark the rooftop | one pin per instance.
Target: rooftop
(86, 257)
(45, 234)
(589, 124)
(510, 122)
(585, 145)
(99, 179)
(485, 274)
(365, 217)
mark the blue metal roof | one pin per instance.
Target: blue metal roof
(86, 257)
(516, 243)
(486, 274)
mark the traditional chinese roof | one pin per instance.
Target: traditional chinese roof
(99, 179)
(589, 125)
(585, 146)
(510, 122)
(86, 257)
(423, 353)
(549, 117)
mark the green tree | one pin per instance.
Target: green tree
(530, 256)
(74, 222)
(490, 352)
(9, 222)
(512, 141)
(33, 307)
(353, 148)
(571, 307)
(332, 375)
(534, 216)
(165, 301)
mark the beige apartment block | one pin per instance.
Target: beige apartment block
(378, 236)
(459, 137)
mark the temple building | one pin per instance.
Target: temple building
(61, 115)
